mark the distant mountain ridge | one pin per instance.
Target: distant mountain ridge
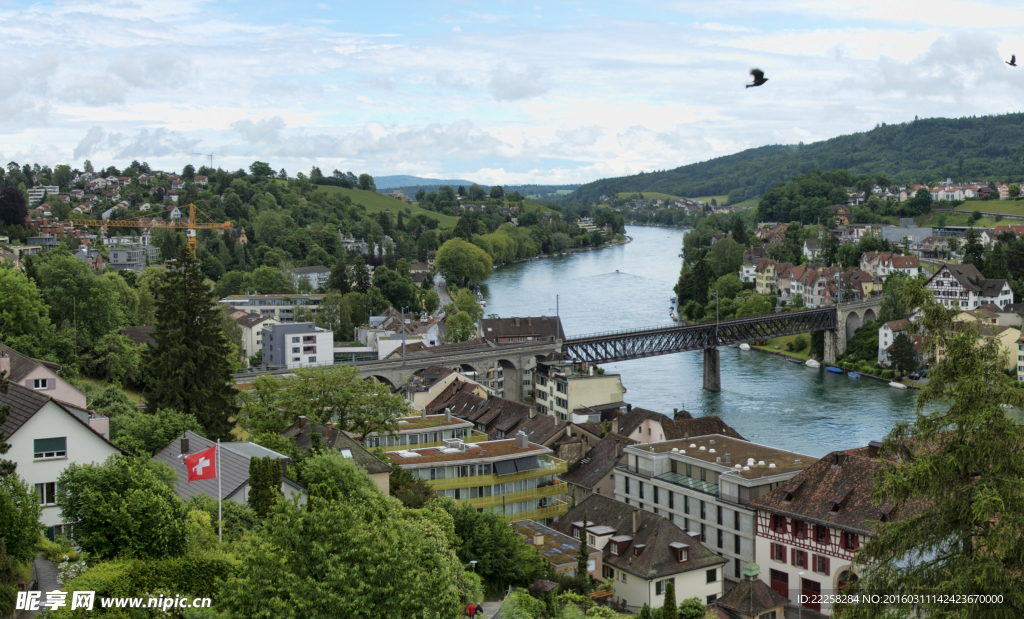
(986, 147)
(402, 180)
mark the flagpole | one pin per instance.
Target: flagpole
(220, 516)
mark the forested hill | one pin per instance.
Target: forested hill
(978, 148)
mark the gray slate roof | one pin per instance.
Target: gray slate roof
(655, 533)
(335, 439)
(234, 466)
(541, 326)
(751, 597)
(601, 459)
(21, 364)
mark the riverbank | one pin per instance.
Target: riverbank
(803, 358)
(625, 240)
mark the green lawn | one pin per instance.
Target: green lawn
(780, 342)
(719, 200)
(746, 203)
(957, 219)
(377, 202)
(1008, 207)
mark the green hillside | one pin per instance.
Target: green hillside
(377, 202)
(649, 195)
(987, 147)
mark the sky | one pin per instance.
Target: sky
(496, 92)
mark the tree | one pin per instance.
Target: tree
(692, 608)
(94, 305)
(467, 302)
(830, 251)
(144, 434)
(1014, 191)
(260, 169)
(265, 478)
(124, 507)
(366, 182)
(974, 251)
(902, 354)
(958, 491)
(19, 519)
(116, 358)
(13, 210)
(335, 314)
(739, 231)
(338, 393)
(459, 328)
(582, 553)
(343, 545)
(413, 492)
(668, 607)
(728, 286)
(798, 300)
(431, 300)
(7, 467)
(645, 612)
(995, 265)
(87, 167)
(22, 309)
(340, 279)
(561, 241)
(192, 356)
(755, 305)
(361, 276)
(461, 262)
(497, 192)
(398, 290)
(725, 256)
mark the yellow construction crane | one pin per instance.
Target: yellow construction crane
(189, 226)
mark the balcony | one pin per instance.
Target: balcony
(515, 497)
(474, 437)
(554, 510)
(689, 482)
(553, 466)
(636, 470)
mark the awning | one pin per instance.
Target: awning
(527, 464)
(505, 467)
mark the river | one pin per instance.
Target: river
(766, 399)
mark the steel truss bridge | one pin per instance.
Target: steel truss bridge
(640, 343)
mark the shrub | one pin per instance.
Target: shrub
(889, 374)
(799, 343)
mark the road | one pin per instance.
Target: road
(442, 289)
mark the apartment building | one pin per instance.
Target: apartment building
(423, 430)
(561, 387)
(297, 344)
(316, 276)
(703, 484)
(279, 306)
(134, 257)
(512, 476)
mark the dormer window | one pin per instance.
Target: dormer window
(615, 549)
(681, 551)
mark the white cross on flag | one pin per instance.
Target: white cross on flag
(202, 465)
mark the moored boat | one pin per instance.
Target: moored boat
(853, 375)
(895, 385)
(794, 360)
(811, 363)
(834, 370)
(744, 346)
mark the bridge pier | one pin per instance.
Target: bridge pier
(712, 371)
(512, 384)
(835, 345)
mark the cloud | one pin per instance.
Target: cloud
(456, 29)
(509, 85)
(146, 144)
(260, 131)
(90, 141)
(323, 5)
(379, 82)
(723, 27)
(449, 79)
(581, 136)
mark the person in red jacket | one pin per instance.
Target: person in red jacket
(471, 611)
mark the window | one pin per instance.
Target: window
(627, 485)
(607, 572)
(712, 576)
(821, 534)
(671, 500)
(799, 529)
(703, 532)
(312, 359)
(703, 511)
(799, 558)
(39, 383)
(703, 474)
(736, 520)
(719, 514)
(778, 552)
(689, 470)
(767, 615)
(850, 541)
(711, 598)
(720, 536)
(592, 540)
(47, 493)
(50, 448)
(655, 495)
(659, 586)
(736, 544)
(821, 564)
(641, 485)
(623, 574)
(615, 549)
(686, 505)
(295, 340)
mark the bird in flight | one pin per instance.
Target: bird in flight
(759, 78)
(1013, 60)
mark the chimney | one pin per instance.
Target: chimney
(874, 447)
(533, 412)
(102, 426)
(538, 539)
(184, 445)
(675, 411)
(327, 429)
(636, 520)
(447, 415)
(5, 364)
(629, 408)
(615, 426)
(568, 430)
(529, 321)
(423, 413)
(728, 457)
(618, 450)
(521, 441)
(302, 421)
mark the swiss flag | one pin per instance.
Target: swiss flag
(202, 465)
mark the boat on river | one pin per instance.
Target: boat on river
(811, 363)
(895, 385)
(795, 360)
(744, 346)
(834, 370)
(853, 375)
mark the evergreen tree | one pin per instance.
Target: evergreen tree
(190, 365)
(340, 279)
(955, 477)
(995, 265)
(830, 251)
(264, 484)
(974, 251)
(360, 276)
(739, 231)
(902, 354)
(583, 557)
(668, 608)
(645, 612)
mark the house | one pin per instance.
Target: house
(422, 431)
(812, 249)
(643, 552)
(234, 457)
(92, 257)
(992, 315)
(809, 528)
(595, 472)
(963, 286)
(908, 265)
(482, 474)
(253, 326)
(529, 329)
(934, 246)
(703, 483)
(175, 212)
(297, 344)
(646, 426)
(887, 335)
(842, 212)
(316, 276)
(751, 598)
(558, 549)
(424, 386)
(301, 433)
(46, 436)
(765, 282)
(39, 376)
(279, 306)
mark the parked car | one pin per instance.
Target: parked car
(915, 376)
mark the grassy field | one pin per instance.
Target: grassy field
(377, 202)
(719, 200)
(649, 195)
(746, 203)
(1007, 207)
(778, 344)
(957, 219)
(94, 385)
